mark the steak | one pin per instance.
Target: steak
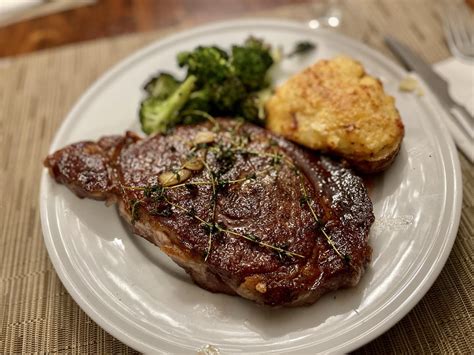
(242, 211)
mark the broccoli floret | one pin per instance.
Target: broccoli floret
(222, 52)
(162, 86)
(218, 85)
(208, 64)
(226, 95)
(198, 100)
(158, 115)
(182, 58)
(253, 107)
(254, 42)
(251, 63)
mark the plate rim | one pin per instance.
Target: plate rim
(369, 334)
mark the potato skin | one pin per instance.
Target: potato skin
(334, 106)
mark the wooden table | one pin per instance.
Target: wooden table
(108, 18)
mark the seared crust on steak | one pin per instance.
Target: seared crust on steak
(261, 240)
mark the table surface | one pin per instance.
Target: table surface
(37, 90)
(106, 18)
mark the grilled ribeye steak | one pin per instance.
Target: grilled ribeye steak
(241, 210)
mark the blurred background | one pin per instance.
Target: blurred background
(31, 25)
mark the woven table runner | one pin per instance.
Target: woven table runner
(37, 315)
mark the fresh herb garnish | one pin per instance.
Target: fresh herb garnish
(166, 211)
(225, 156)
(134, 204)
(305, 198)
(302, 48)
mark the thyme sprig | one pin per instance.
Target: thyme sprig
(277, 159)
(209, 245)
(213, 205)
(305, 199)
(251, 176)
(134, 204)
(216, 126)
(225, 158)
(250, 237)
(204, 182)
(212, 226)
(253, 238)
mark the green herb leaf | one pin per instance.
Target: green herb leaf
(302, 48)
(134, 204)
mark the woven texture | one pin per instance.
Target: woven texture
(37, 315)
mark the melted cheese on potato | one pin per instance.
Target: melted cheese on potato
(335, 106)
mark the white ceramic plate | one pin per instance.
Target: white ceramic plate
(133, 291)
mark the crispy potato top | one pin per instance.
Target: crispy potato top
(335, 106)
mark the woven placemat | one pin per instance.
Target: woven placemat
(37, 315)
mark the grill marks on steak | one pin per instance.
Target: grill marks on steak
(268, 207)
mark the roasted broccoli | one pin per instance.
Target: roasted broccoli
(216, 77)
(228, 81)
(226, 96)
(216, 84)
(198, 100)
(253, 107)
(162, 86)
(158, 115)
(207, 64)
(251, 63)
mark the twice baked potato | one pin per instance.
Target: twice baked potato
(334, 106)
